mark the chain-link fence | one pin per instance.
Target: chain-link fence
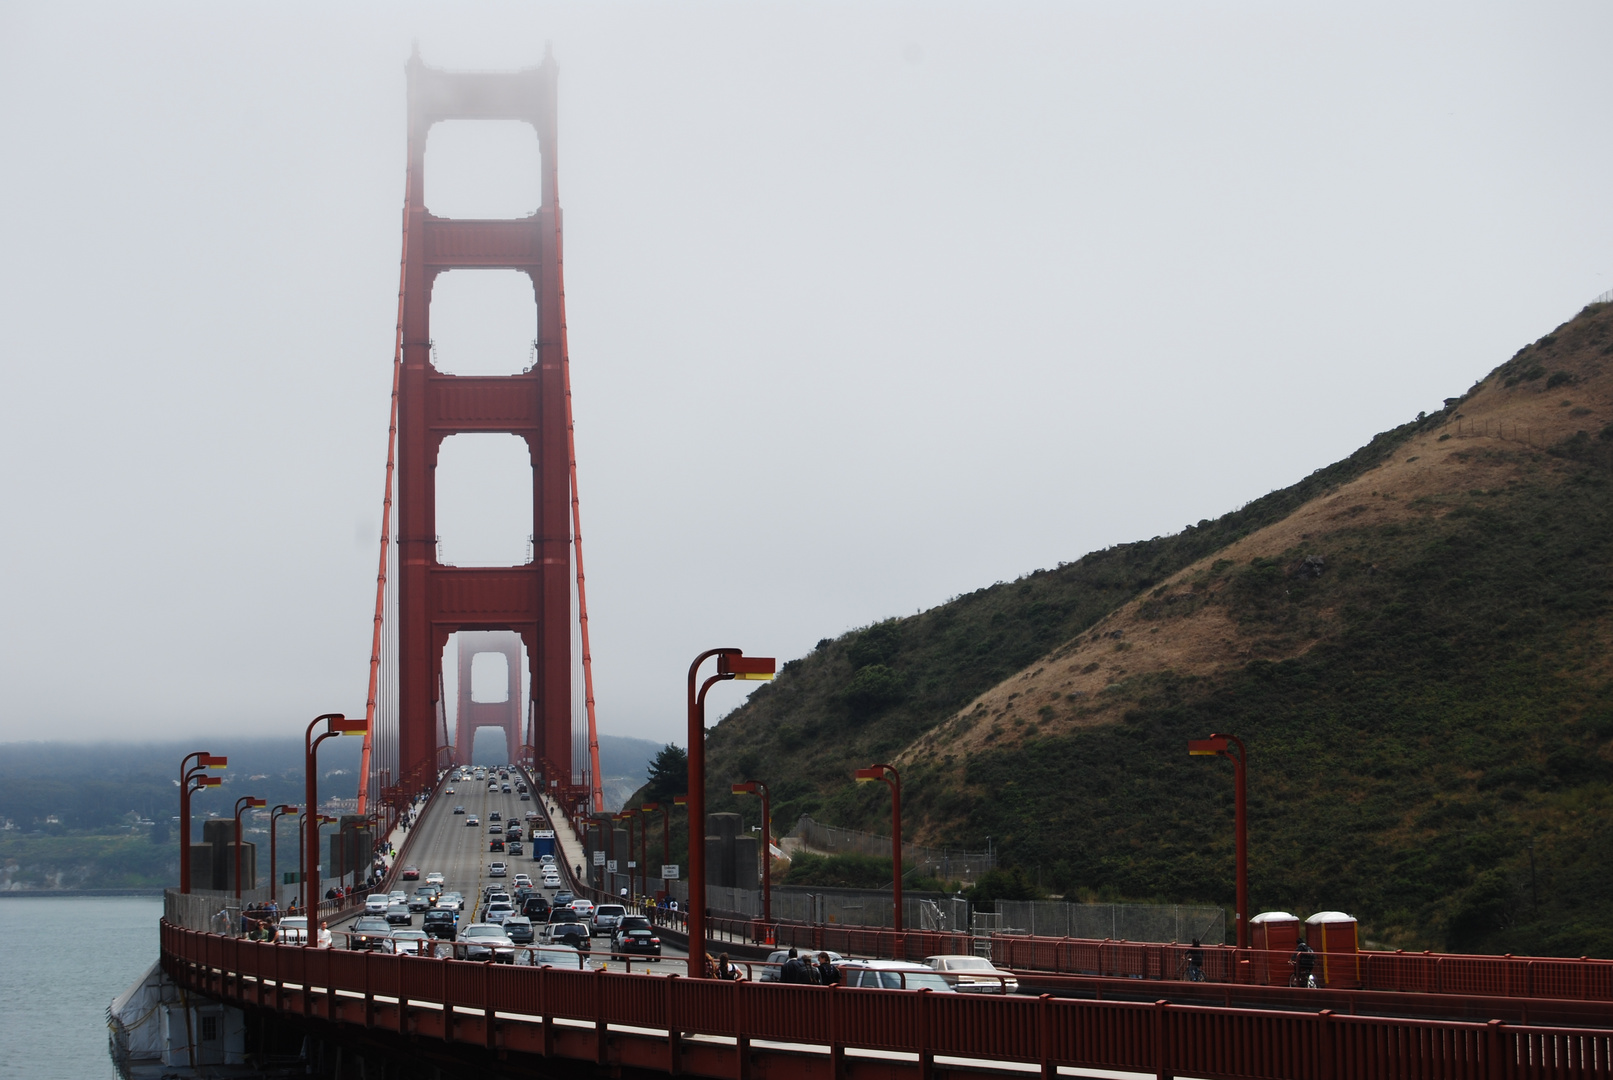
(943, 863)
(836, 907)
(1117, 922)
(209, 911)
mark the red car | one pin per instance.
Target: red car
(411, 873)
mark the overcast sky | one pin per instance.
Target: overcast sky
(869, 305)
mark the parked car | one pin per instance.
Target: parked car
(369, 933)
(607, 917)
(639, 941)
(973, 975)
(519, 929)
(398, 914)
(440, 923)
(410, 943)
(891, 975)
(411, 873)
(487, 941)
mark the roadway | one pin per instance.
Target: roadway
(441, 841)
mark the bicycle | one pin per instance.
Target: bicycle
(1305, 979)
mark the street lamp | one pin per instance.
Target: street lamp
(274, 816)
(731, 664)
(627, 818)
(191, 772)
(245, 802)
(1222, 746)
(894, 782)
(319, 819)
(752, 787)
(335, 724)
(643, 850)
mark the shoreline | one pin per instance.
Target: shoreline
(4, 893)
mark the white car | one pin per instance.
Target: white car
(973, 975)
(375, 903)
(411, 943)
(585, 908)
(435, 878)
(497, 869)
(551, 880)
(497, 911)
(478, 941)
(891, 975)
(523, 879)
(450, 901)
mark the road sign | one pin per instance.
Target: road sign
(599, 858)
(669, 871)
(610, 867)
(632, 864)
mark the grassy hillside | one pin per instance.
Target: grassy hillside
(1413, 642)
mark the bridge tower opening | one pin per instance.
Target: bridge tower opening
(475, 708)
(533, 600)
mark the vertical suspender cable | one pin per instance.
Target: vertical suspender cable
(576, 509)
(386, 525)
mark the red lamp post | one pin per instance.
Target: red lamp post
(752, 787)
(274, 816)
(643, 850)
(627, 819)
(894, 782)
(1222, 746)
(245, 802)
(191, 772)
(731, 664)
(319, 819)
(335, 724)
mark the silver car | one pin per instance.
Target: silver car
(973, 975)
(486, 941)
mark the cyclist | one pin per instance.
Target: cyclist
(1195, 962)
(1304, 964)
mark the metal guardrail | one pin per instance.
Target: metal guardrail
(539, 1010)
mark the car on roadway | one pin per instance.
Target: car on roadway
(574, 934)
(776, 958)
(563, 898)
(606, 918)
(495, 816)
(891, 975)
(506, 789)
(410, 943)
(436, 878)
(525, 797)
(440, 923)
(496, 844)
(397, 894)
(582, 907)
(495, 891)
(519, 928)
(492, 787)
(560, 956)
(497, 911)
(291, 930)
(973, 975)
(536, 907)
(551, 880)
(376, 904)
(422, 900)
(398, 914)
(523, 881)
(513, 848)
(369, 933)
(634, 922)
(451, 901)
(459, 809)
(411, 873)
(497, 869)
(639, 941)
(495, 829)
(472, 820)
(487, 941)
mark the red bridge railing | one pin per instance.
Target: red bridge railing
(570, 1014)
(1579, 979)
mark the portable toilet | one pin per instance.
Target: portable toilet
(1273, 935)
(1332, 934)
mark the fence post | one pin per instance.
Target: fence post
(1162, 1046)
(926, 1054)
(1325, 1052)
(1044, 1022)
(837, 1052)
(1495, 1050)
(487, 1001)
(674, 1037)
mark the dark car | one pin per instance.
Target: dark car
(422, 900)
(495, 844)
(494, 816)
(519, 929)
(536, 907)
(513, 847)
(398, 914)
(459, 809)
(440, 924)
(633, 922)
(525, 797)
(564, 897)
(638, 941)
(370, 933)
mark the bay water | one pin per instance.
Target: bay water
(62, 961)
